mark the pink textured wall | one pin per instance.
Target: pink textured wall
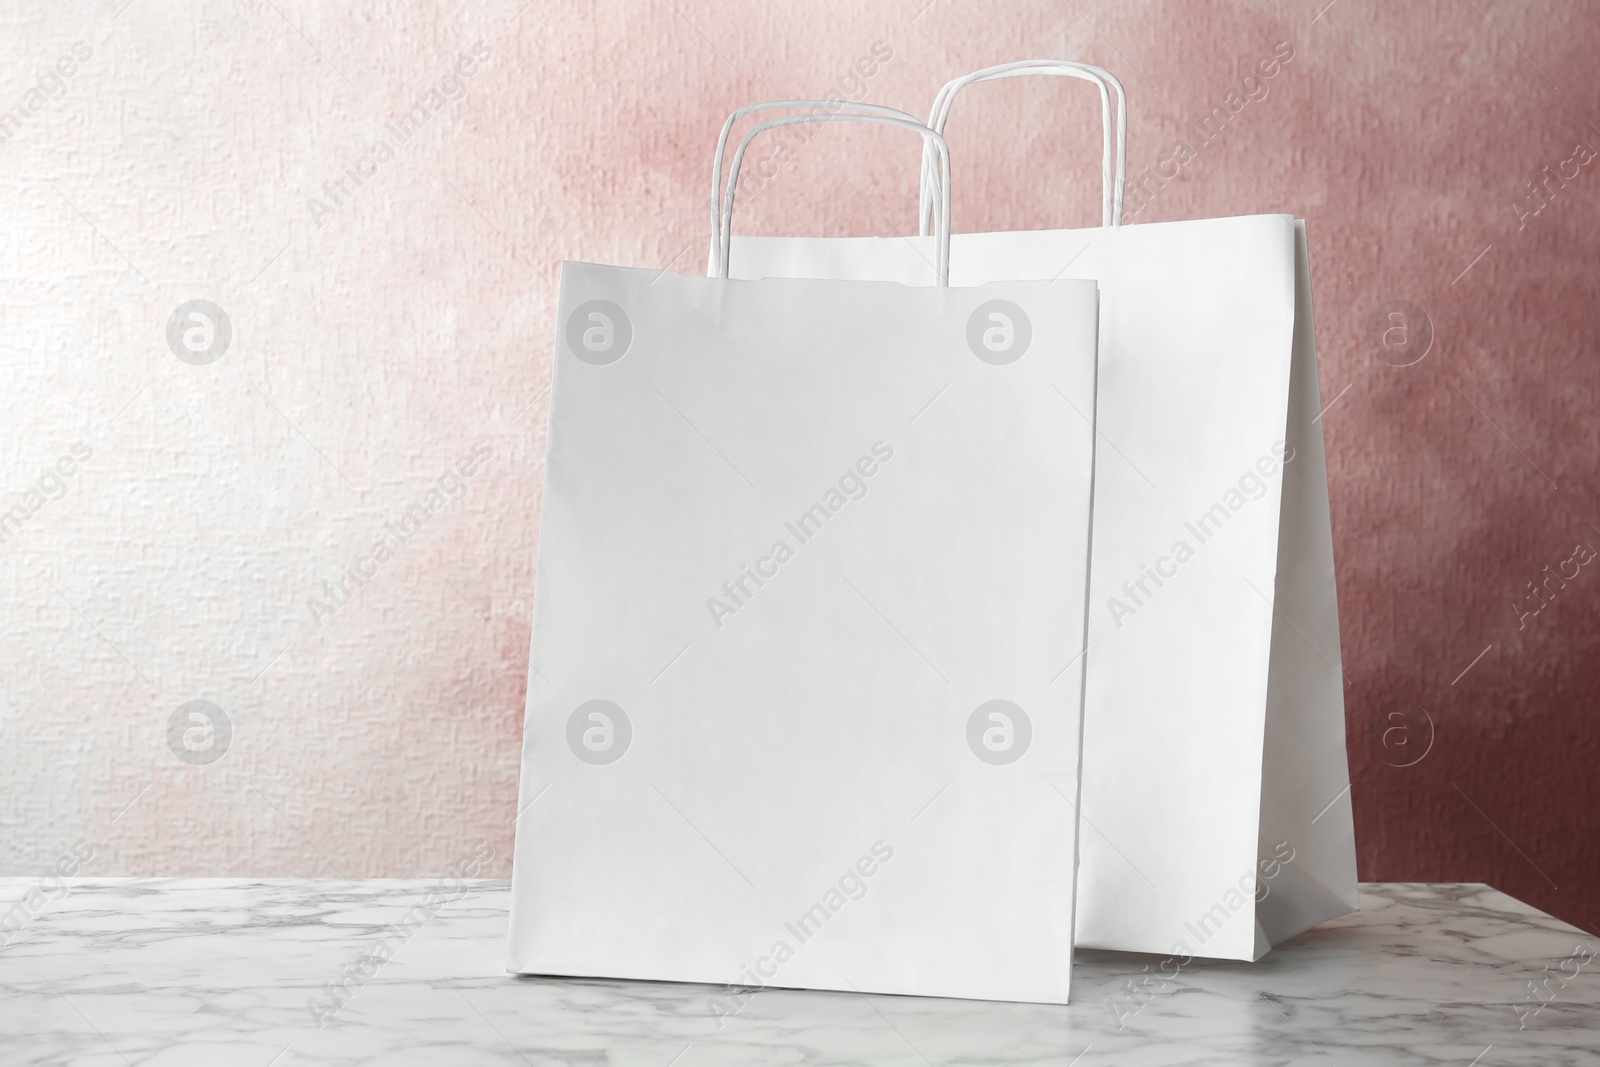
(393, 339)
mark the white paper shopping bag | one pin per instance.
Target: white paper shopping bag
(1216, 809)
(805, 692)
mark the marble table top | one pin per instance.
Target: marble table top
(292, 972)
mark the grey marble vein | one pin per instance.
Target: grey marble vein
(298, 972)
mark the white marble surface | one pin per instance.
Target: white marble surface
(220, 971)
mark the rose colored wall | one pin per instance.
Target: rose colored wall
(377, 342)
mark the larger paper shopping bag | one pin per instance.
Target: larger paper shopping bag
(805, 694)
(1216, 808)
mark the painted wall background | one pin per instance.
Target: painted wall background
(398, 336)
